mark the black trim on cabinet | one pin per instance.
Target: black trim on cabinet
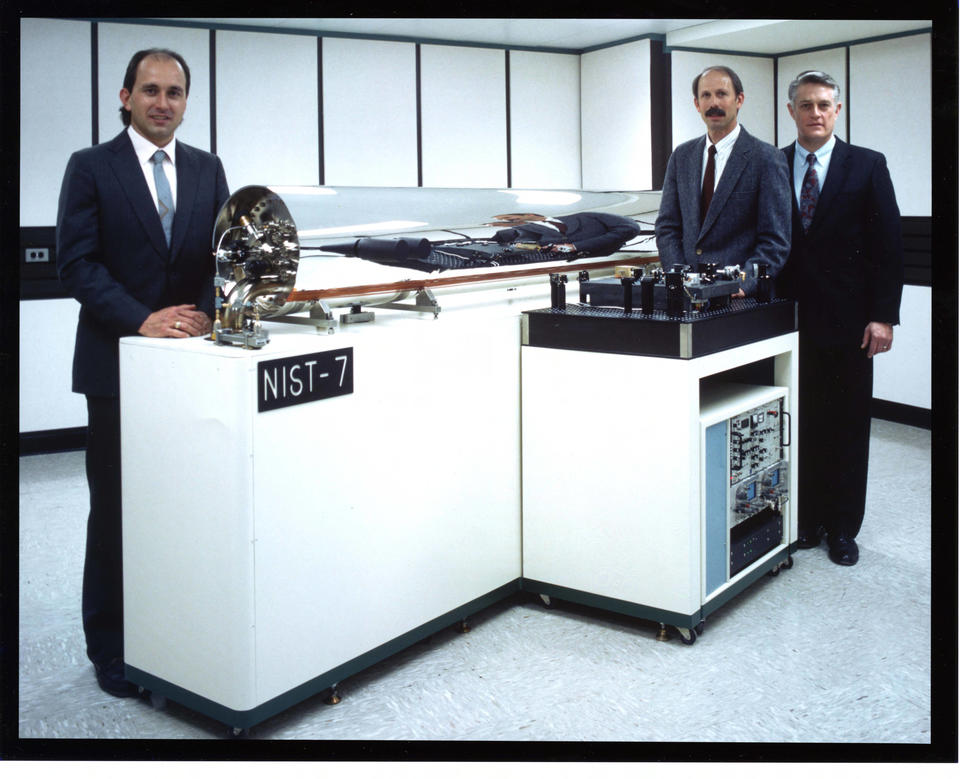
(419, 121)
(917, 234)
(213, 91)
(68, 439)
(902, 413)
(506, 69)
(321, 171)
(94, 82)
(846, 65)
(661, 112)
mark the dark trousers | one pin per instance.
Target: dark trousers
(103, 564)
(836, 387)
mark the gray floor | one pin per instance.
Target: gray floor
(818, 654)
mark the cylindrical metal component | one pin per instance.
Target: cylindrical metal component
(583, 276)
(558, 291)
(674, 281)
(627, 283)
(647, 284)
(764, 283)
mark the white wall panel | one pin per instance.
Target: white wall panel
(831, 61)
(47, 332)
(369, 113)
(267, 108)
(890, 104)
(756, 73)
(615, 117)
(119, 42)
(464, 116)
(903, 375)
(51, 129)
(545, 120)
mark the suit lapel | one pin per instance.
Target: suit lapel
(187, 178)
(739, 156)
(836, 175)
(126, 168)
(692, 174)
(789, 152)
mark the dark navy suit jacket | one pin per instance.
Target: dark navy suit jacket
(749, 216)
(847, 269)
(112, 255)
(592, 232)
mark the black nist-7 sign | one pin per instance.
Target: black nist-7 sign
(304, 378)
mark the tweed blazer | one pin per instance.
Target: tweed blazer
(748, 221)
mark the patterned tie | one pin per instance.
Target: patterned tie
(809, 192)
(164, 197)
(707, 194)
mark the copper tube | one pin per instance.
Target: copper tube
(450, 281)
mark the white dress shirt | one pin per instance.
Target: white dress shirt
(724, 147)
(820, 166)
(144, 150)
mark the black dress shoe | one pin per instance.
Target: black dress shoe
(111, 679)
(843, 550)
(807, 539)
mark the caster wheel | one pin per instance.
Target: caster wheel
(699, 628)
(774, 571)
(239, 732)
(789, 564)
(687, 636)
(463, 626)
(546, 601)
(157, 701)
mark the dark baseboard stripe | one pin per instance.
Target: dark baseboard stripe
(68, 439)
(899, 412)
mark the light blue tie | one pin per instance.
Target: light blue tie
(164, 196)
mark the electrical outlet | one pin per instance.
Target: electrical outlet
(37, 255)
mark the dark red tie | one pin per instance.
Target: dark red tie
(809, 193)
(707, 195)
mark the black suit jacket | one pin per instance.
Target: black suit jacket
(847, 269)
(592, 232)
(112, 255)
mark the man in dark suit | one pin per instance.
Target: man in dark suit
(134, 226)
(846, 271)
(588, 233)
(726, 195)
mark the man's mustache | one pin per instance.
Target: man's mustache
(716, 112)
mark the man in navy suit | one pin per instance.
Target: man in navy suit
(134, 227)
(726, 195)
(846, 271)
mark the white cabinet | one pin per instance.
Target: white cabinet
(613, 447)
(270, 554)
